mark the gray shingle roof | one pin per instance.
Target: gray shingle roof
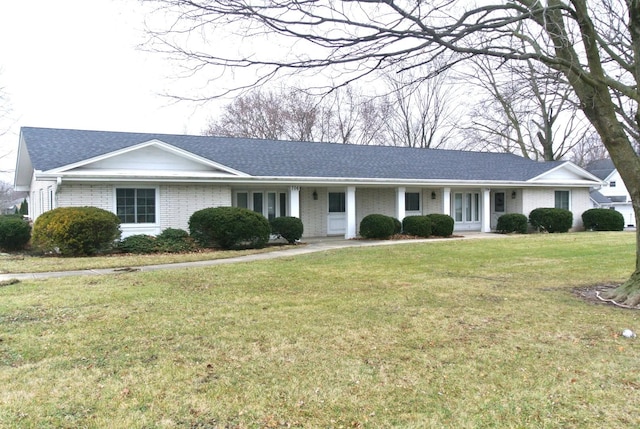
(601, 168)
(52, 148)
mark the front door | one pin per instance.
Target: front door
(337, 218)
(499, 207)
(466, 209)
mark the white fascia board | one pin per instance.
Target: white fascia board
(204, 177)
(157, 143)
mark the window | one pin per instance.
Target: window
(257, 202)
(562, 200)
(270, 204)
(412, 201)
(466, 207)
(136, 205)
(242, 200)
(337, 202)
(612, 184)
(498, 203)
(49, 198)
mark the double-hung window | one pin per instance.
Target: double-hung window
(562, 200)
(412, 201)
(136, 205)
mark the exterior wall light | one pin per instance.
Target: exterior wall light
(315, 194)
(433, 195)
(513, 195)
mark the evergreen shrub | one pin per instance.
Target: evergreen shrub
(417, 225)
(603, 220)
(174, 240)
(288, 227)
(139, 244)
(397, 226)
(377, 226)
(76, 231)
(15, 232)
(551, 219)
(512, 222)
(441, 224)
(229, 228)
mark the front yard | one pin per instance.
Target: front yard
(453, 334)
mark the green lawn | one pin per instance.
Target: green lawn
(453, 334)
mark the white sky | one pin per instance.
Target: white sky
(76, 64)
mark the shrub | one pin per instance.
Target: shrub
(174, 240)
(76, 231)
(377, 226)
(139, 243)
(229, 227)
(397, 226)
(441, 224)
(417, 225)
(512, 222)
(288, 227)
(15, 232)
(603, 220)
(551, 220)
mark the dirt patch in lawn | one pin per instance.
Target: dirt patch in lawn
(594, 295)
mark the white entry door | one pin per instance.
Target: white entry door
(337, 218)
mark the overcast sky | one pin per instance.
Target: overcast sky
(76, 64)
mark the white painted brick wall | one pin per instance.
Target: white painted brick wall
(375, 201)
(178, 202)
(78, 195)
(545, 197)
(313, 213)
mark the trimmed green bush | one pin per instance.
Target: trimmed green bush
(603, 220)
(174, 240)
(417, 225)
(15, 232)
(288, 227)
(397, 226)
(377, 226)
(229, 228)
(139, 244)
(551, 219)
(441, 224)
(512, 222)
(76, 231)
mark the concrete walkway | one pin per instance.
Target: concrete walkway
(311, 246)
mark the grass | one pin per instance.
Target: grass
(25, 263)
(454, 334)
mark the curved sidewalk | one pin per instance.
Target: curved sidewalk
(312, 246)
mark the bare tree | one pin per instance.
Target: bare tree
(5, 116)
(595, 45)
(587, 150)
(7, 196)
(525, 108)
(422, 110)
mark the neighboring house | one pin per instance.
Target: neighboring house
(613, 194)
(156, 181)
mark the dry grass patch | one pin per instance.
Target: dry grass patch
(472, 334)
(24, 263)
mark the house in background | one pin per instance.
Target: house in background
(613, 193)
(156, 181)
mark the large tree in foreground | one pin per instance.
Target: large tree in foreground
(595, 45)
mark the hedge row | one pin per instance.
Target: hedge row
(79, 231)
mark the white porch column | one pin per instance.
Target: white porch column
(446, 201)
(294, 201)
(486, 210)
(351, 212)
(400, 207)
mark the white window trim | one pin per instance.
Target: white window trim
(568, 191)
(137, 186)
